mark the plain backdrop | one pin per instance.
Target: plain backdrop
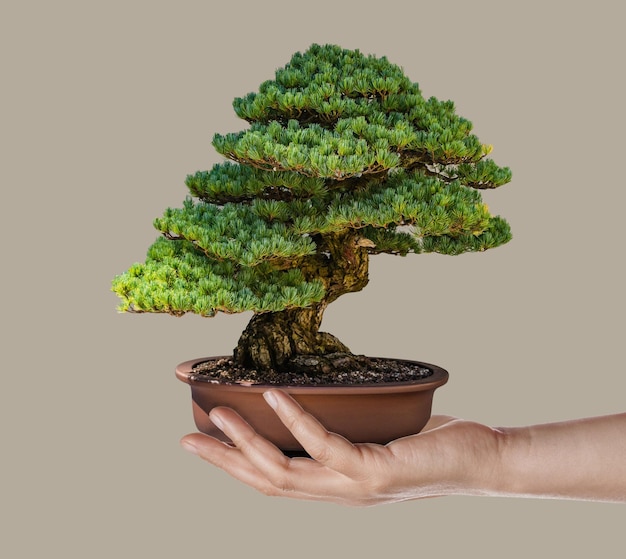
(107, 106)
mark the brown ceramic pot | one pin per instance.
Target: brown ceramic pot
(374, 413)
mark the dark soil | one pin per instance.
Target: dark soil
(336, 368)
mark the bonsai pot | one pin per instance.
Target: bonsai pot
(363, 413)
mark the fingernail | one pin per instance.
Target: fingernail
(189, 446)
(270, 398)
(217, 420)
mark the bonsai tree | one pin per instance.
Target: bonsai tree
(343, 159)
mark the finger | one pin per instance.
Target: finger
(233, 462)
(284, 474)
(271, 473)
(223, 456)
(261, 452)
(304, 476)
(330, 449)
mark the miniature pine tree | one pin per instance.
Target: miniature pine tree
(343, 159)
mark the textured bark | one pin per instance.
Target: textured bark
(271, 340)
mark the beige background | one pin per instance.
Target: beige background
(105, 109)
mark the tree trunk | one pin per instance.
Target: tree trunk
(271, 340)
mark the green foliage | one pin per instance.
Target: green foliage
(228, 182)
(233, 232)
(177, 278)
(338, 142)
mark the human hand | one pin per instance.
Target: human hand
(449, 456)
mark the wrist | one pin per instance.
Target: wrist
(508, 477)
(480, 462)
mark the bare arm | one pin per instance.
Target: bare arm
(584, 459)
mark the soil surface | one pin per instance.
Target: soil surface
(336, 368)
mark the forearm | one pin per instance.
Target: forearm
(583, 459)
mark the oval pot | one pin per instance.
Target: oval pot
(364, 413)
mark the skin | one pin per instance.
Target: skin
(582, 459)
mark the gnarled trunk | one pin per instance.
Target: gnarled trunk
(271, 340)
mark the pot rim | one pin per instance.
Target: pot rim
(438, 378)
